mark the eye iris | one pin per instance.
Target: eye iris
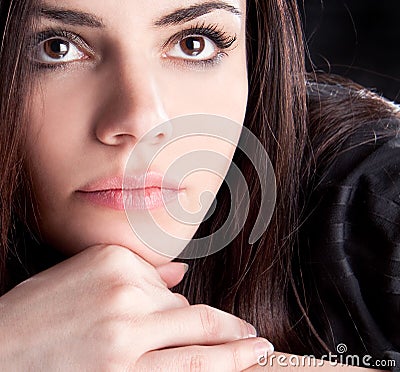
(56, 48)
(192, 46)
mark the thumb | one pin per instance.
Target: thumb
(172, 272)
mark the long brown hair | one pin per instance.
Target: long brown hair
(252, 281)
(257, 282)
(15, 20)
(302, 120)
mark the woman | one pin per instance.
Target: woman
(85, 82)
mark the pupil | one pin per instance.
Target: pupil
(193, 46)
(57, 48)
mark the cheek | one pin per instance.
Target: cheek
(222, 90)
(51, 141)
(58, 150)
(64, 154)
(60, 110)
(60, 134)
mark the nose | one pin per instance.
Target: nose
(131, 107)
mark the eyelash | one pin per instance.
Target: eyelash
(221, 39)
(52, 33)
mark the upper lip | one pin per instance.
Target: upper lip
(132, 182)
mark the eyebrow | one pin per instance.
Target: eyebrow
(70, 17)
(197, 10)
(177, 17)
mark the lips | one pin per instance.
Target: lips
(146, 191)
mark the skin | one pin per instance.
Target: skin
(109, 307)
(85, 119)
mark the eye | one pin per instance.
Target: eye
(199, 46)
(53, 48)
(57, 50)
(194, 48)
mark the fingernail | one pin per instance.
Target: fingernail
(263, 349)
(252, 331)
(185, 267)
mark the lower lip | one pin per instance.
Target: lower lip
(136, 199)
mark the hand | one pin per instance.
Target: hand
(108, 309)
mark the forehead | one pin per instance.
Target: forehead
(97, 13)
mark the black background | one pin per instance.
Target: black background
(359, 39)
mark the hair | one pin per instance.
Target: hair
(15, 20)
(298, 124)
(302, 120)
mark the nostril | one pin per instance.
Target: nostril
(119, 139)
(160, 133)
(157, 138)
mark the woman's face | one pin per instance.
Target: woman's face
(109, 72)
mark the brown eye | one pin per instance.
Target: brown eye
(192, 46)
(56, 48)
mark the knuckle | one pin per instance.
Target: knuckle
(119, 298)
(182, 299)
(210, 321)
(235, 358)
(116, 254)
(136, 299)
(117, 265)
(196, 362)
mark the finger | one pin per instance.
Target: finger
(196, 324)
(234, 356)
(119, 257)
(172, 272)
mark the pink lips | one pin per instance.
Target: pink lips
(147, 191)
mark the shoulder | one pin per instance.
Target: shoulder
(369, 154)
(354, 203)
(348, 125)
(354, 146)
(350, 238)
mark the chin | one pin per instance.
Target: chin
(74, 238)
